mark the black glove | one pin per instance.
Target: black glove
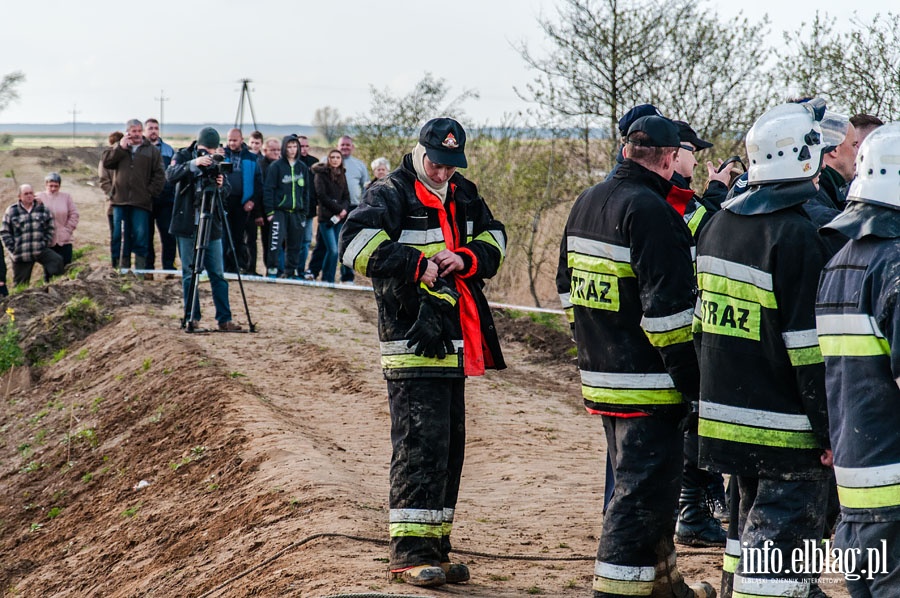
(431, 331)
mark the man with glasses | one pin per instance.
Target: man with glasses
(27, 233)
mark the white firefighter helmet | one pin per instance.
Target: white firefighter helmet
(786, 143)
(878, 168)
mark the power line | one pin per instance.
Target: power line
(162, 99)
(74, 112)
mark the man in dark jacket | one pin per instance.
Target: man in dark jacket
(858, 323)
(286, 195)
(428, 241)
(191, 172)
(762, 394)
(162, 203)
(240, 200)
(625, 279)
(309, 160)
(139, 176)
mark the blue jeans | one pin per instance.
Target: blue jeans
(136, 224)
(304, 245)
(330, 235)
(215, 267)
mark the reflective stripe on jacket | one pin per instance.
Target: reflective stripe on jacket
(762, 402)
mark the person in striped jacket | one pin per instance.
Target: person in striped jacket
(858, 322)
(762, 378)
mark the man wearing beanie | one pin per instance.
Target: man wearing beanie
(625, 279)
(428, 241)
(190, 173)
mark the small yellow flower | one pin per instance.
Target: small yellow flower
(11, 313)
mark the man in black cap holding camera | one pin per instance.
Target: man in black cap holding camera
(625, 279)
(191, 172)
(428, 241)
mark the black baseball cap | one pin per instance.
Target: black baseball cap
(444, 141)
(687, 134)
(634, 114)
(660, 131)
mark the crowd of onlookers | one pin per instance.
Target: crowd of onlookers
(278, 196)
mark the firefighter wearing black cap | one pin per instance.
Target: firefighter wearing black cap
(428, 241)
(858, 322)
(762, 393)
(625, 278)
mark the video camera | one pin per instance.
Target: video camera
(219, 165)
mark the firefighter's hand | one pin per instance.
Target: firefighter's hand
(249, 205)
(430, 275)
(447, 262)
(827, 458)
(220, 180)
(427, 333)
(723, 177)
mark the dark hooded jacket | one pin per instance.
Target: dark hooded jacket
(287, 185)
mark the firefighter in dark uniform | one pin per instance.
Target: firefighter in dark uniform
(762, 393)
(858, 321)
(625, 278)
(696, 525)
(428, 241)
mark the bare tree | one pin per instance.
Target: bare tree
(856, 68)
(609, 55)
(8, 84)
(393, 121)
(327, 121)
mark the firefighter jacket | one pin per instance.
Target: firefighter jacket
(762, 389)
(626, 281)
(389, 236)
(858, 319)
(695, 210)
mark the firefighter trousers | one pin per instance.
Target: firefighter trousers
(877, 549)
(775, 517)
(428, 435)
(636, 554)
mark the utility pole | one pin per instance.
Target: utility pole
(239, 117)
(74, 113)
(162, 99)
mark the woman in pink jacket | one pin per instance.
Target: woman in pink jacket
(65, 215)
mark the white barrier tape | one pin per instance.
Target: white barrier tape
(329, 285)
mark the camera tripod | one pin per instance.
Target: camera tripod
(211, 201)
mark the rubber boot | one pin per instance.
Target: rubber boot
(455, 572)
(695, 525)
(424, 576)
(670, 584)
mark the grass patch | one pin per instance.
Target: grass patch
(132, 511)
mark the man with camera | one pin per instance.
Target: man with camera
(200, 186)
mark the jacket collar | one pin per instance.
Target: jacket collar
(771, 197)
(860, 219)
(629, 169)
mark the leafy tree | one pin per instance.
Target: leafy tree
(327, 121)
(856, 68)
(8, 84)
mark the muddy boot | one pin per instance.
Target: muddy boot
(425, 576)
(695, 525)
(455, 572)
(715, 497)
(703, 590)
(815, 591)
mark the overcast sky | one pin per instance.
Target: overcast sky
(113, 61)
